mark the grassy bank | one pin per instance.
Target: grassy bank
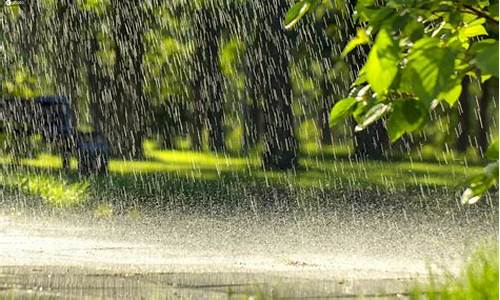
(477, 280)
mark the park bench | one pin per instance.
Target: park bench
(52, 119)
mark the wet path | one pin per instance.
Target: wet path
(45, 256)
(72, 283)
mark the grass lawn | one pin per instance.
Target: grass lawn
(167, 171)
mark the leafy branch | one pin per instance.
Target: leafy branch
(415, 63)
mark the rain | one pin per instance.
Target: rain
(236, 149)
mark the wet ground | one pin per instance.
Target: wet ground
(348, 252)
(64, 282)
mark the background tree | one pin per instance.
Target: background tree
(207, 78)
(273, 75)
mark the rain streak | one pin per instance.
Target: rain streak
(237, 149)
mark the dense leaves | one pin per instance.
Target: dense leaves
(428, 70)
(421, 53)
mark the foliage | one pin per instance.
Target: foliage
(21, 85)
(420, 53)
(480, 184)
(478, 280)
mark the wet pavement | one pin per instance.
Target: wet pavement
(204, 257)
(71, 283)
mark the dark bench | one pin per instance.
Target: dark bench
(51, 117)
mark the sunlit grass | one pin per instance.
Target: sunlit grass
(333, 150)
(170, 172)
(42, 161)
(200, 160)
(54, 191)
(315, 171)
(478, 279)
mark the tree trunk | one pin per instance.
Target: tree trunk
(99, 81)
(326, 103)
(31, 33)
(129, 110)
(66, 57)
(463, 114)
(280, 144)
(490, 93)
(252, 114)
(251, 125)
(208, 77)
(196, 131)
(326, 135)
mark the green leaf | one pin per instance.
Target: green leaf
(486, 56)
(296, 12)
(492, 151)
(407, 116)
(363, 8)
(491, 170)
(485, 77)
(471, 30)
(361, 77)
(376, 16)
(359, 111)
(341, 109)
(451, 96)
(480, 184)
(383, 61)
(373, 115)
(428, 70)
(361, 38)
(414, 30)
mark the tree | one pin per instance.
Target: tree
(464, 107)
(65, 57)
(490, 94)
(331, 29)
(207, 78)
(273, 76)
(168, 74)
(422, 50)
(130, 111)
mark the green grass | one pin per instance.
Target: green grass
(316, 171)
(478, 280)
(196, 174)
(54, 191)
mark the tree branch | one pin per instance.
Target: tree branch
(482, 14)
